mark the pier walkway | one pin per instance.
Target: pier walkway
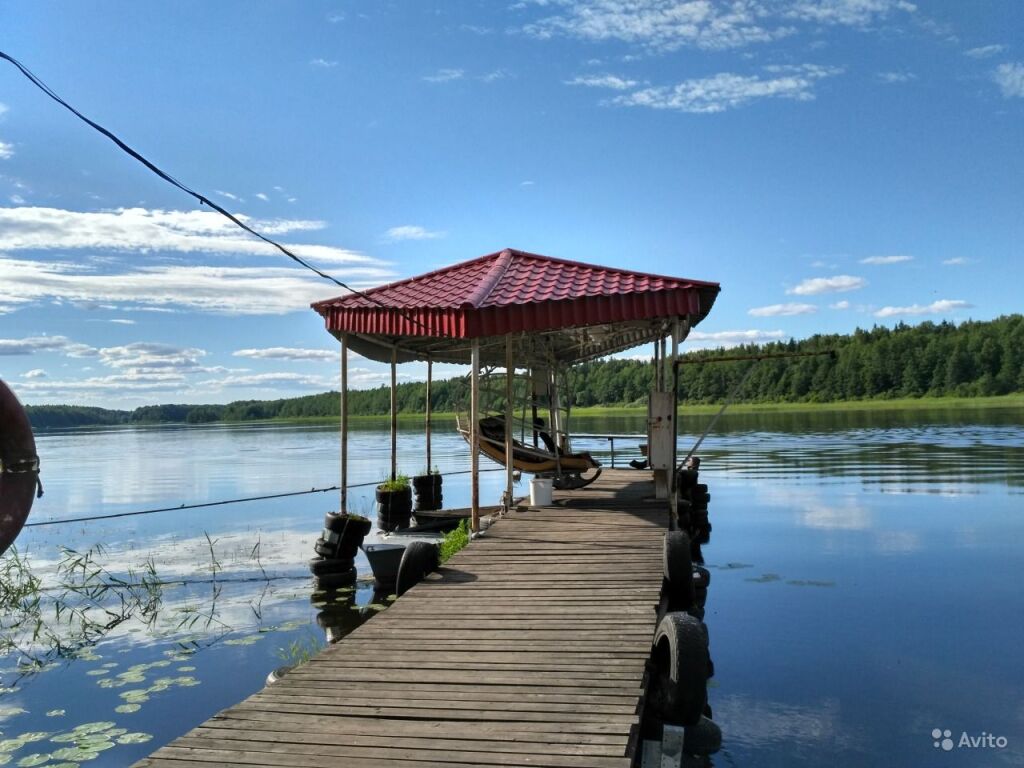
(528, 648)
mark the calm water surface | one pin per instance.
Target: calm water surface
(865, 581)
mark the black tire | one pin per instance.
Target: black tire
(355, 526)
(678, 568)
(679, 690)
(703, 738)
(320, 566)
(686, 479)
(324, 549)
(328, 581)
(700, 488)
(419, 559)
(701, 577)
(393, 523)
(278, 673)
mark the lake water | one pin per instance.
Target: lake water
(865, 581)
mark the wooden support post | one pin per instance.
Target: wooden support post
(555, 416)
(661, 370)
(394, 412)
(510, 368)
(343, 500)
(474, 437)
(430, 366)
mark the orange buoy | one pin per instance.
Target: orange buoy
(19, 467)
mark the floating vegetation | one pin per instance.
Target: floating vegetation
(127, 709)
(765, 578)
(810, 583)
(36, 758)
(55, 713)
(247, 640)
(134, 738)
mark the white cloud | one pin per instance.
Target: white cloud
(896, 77)
(270, 381)
(145, 230)
(813, 286)
(958, 261)
(783, 310)
(32, 344)
(495, 75)
(217, 290)
(445, 75)
(935, 308)
(886, 259)
(844, 304)
(17, 199)
(527, 183)
(666, 25)
(663, 25)
(475, 29)
(35, 373)
(287, 353)
(852, 13)
(411, 232)
(228, 195)
(3, 109)
(1010, 79)
(603, 81)
(6, 150)
(727, 90)
(122, 321)
(336, 18)
(261, 196)
(152, 358)
(984, 51)
(323, 63)
(725, 339)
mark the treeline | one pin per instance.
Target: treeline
(926, 360)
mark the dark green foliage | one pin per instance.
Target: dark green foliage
(926, 360)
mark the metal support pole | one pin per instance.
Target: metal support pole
(612, 441)
(664, 362)
(509, 374)
(343, 501)
(556, 417)
(394, 413)
(673, 497)
(474, 437)
(430, 367)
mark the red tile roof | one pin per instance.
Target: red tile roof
(512, 291)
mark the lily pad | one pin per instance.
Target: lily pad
(32, 736)
(75, 754)
(186, 669)
(127, 709)
(110, 664)
(98, 672)
(136, 696)
(134, 738)
(247, 640)
(95, 727)
(10, 745)
(55, 713)
(36, 758)
(5, 758)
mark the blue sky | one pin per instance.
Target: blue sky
(833, 163)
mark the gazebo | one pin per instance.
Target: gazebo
(517, 310)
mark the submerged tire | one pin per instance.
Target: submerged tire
(419, 559)
(701, 577)
(678, 567)
(681, 664)
(320, 566)
(328, 581)
(703, 738)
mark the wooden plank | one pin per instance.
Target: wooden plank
(529, 648)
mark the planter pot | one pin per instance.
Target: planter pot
(394, 509)
(428, 492)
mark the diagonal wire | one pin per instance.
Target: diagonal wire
(203, 200)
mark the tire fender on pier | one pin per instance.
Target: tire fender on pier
(678, 691)
(19, 467)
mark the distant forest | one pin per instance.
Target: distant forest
(926, 360)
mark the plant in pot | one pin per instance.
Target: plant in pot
(428, 490)
(394, 503)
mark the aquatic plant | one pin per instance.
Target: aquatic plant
(398, 483)
(455, 540)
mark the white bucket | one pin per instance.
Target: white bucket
(540, 492)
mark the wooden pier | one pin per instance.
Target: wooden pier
(528, 648)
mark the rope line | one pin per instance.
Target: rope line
(223, 502)
(203, 199)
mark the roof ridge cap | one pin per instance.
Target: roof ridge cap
(491, 279)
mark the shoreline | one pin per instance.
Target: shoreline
(997, 402)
